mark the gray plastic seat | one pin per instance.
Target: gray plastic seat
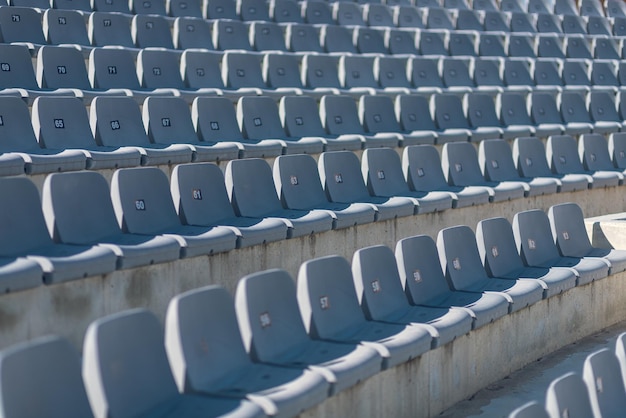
(522, 22)
(461, 168)
(21, 24)
(496, 160)
(491, 45)
(529, 156)
(562, 155)
(620, 353)
(42, 378)
(514, 115)
(192, 32)
(603, 378)
(62, 123)
(605, 48)
(167, 120)
(110, 6)
(499, 255)
(369, 40)
(267, 36)
(267, 312)
(230, 34)
(468, 20)
(486, 75)
(220, 9)
(201, 199)
(546, 74)
(516, 75)
(378, 15)
(151, 31)
(391, 73)
(481, 113)
(380, 293)
(302, 38)
(594, 154)
(337, 40)
(450, 117)
(200, 71)
(252, 193)
(520, 46)
(438, 18)
(569, 233)
(615, 8)
(347, 14)
(65, 27)
(567, 395)
(549, 46)
(78, 210)
(63, 67)
(575, 75)
(143, 205)
(617, 150)
(603, 76)
(422, 170)
(462, 266)
(206, 317)
(106, 28)
(511, 6)
(183, 8)
(538, 6)
(529, 410)
(114, 68)
(603, 112)
(537, 248)
(461, 44)
(432, 42)
(298, 187)
(321, 72)
(81, 5)
(578, 47)
(382, 170)
(281, 73)
(598, 25)
(25, 235)
(574, 24)
(341, 177)
(545, 113)
(126, 373)
(241, 72)
(356, 74)
(576, 118)
(138, 7)
(548, 23)
(425, 285)
(331, 312)
(285, 11)
(423, 73)
(495, 21)
(407, 16)
(455, 74)
(317, 12)
(414, 115)
(251, 10)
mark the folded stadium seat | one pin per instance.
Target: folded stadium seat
(337, 40)
(522, 22)
(321, 72)
(108, 28)
(481, 113)
(63, 123)
(25, 235)
(356, 74)
(281, 72)
(438, 18)
(400, 42)
(152, 7)
(432, 42)
(511, 6)
(267, 312)
(300, 117)
(80, 5)
(468, 20)
(574, 24)
(455, 4)
(449, 116)
(190, 182)
(116, 122)
(151, 31)
(267, 36)
(424, 283)
(549, 46)
(603, 76)
(340, 116)
(45, 379)
(250, 10)
(78, 210)
(514, 115)
(201, 72)
(575, 75)
(369, 40)
(143, 205)
(603, 112)
(537, 248)
(331, 312)
(207, 316)
(568, 393)
(21, 24)
(459, 162)
(241, 72)
(516, 75)
(576, 118)
(605, 48)
(298, 186)
(422, 170)
(413, 115)
(192, 32)
(285, 11)
(302, 38)
(547, 75)
(462, 266)
(167, 120)
(598, 25)
(215, 120)
(380, 293)
(621, 104)
(495, 21)
(422, 71)
(252, 193)
(591, 8)
(539, 6)
(620, 352)
(340, 173)
(184, 8)
(65, 27)
(259, 120)
(317, 12)
(562, 155)
(21, 151)
(146, 386)
(545, 113)
(347, 14)
(230, 34)
(529, 155)
(520, 46)
(548, 23)
(407, 16)
(603, 378)
(378, 15)
(486, 74)
(619, 26)
(377, 116)
(565, 7)
(617, 150)
(499, 255)
(427, 3)
(383, 175)
(569, 233)
(108, 6)
(496, 160)
(577, 46)
(615, 8)
(461, 43)
(220, 9)
(491, 45)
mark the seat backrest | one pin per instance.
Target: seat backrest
(184, 8)
(491, 45)
(258, 118)
(468, 20)
(432, 42)
(77, 207)
(192, 32)
(602, 106)
(603, 74)
(567, 395)
(496, 246)
(230, 34)
(153, 7)
(459, 257)
(460, 164)
(267, 36)
(511, 6)
(108, 6)
(603, 378)
(110, 29)
(577, 46)
(215, 119)
(158, 68)
(240, 69)
(598, 25)
(481, 110)
(575, 73)
(424, 72)
(548, 23)
(302, 38)
(461, 44)
(320, 71)
(520, 46)
(300, 116)
(285, 11)
(250, 10)
(167, 120)
(546, 73)
(298, 182)
(407, 16)
(543, 108)
(533, 238)
(455, 72)
(496, 21)
(562, 155)
(267, 312)
(496, 160)
(522, 22)
(538, 6)
(347, 14)
(116, 122)
(550, 46)
(327, 298)
(357, 71)
(573, 24)
(448, 111)
(199, 322)
(377, 114)
(339, 115)
(61, 122)
(568, 229)
(340, 174)
(382, 170)
(591, 8)
(369, 40)
(565, 7)
(529, 156)
(17, 67)
(593, 150)
(438, 18)
(421, 165)
(420, 274)
(486, 72)
(65, 27)
(42, 377)
(111, 68)
(16, 129)
(615, 8)
(201, 69)
(513, 109)
(617, 149)
(573, 107)
(517, 73)
(391, 72)
(125, 366)
(61, 67)
(317, 12)
(337, 39)
(378, 15)
(251, 188)
(377, 282)
(400, 41)
(220, 9)
(21, 24)
(413, 113)
(151, 31)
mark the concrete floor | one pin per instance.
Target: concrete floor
(530, 383)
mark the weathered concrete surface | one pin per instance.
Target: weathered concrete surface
(607, 231)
